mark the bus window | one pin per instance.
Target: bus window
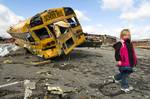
(73, 22)
(29, 37)
(68, 11)
(42, 33)
(63, 30)
(61, 27)
(51, 28)
(36, 20)
(69, 42)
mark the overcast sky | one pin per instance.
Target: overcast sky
(96, 16)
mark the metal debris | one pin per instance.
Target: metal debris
(5, 49)
(40, 62)
(10, 84)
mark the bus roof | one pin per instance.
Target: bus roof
(21, 27)
(39, 19)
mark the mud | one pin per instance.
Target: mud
(85, 69)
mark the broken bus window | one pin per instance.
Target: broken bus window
(68, 11)
(63, 30)
(42, 33)
(29, 37)
(36, 20)
(51, 28)
(73, 22)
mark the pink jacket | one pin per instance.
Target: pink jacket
(125, 53)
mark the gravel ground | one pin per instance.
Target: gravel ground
(85, 69)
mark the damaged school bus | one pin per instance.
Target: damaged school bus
(49, 33)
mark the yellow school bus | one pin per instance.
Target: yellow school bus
(49, 33)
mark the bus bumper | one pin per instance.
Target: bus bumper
(50, 53)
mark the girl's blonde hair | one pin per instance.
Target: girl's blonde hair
(124, 32)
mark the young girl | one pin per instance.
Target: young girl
(126, 57)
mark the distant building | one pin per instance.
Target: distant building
(105, 39)
(95, 40)
(109, 40)
(145, 43)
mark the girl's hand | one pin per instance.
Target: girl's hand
(119, 63)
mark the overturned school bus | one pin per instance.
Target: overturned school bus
(49, 33)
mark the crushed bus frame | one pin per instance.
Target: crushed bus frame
(50, 33)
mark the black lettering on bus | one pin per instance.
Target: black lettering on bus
(52, 15)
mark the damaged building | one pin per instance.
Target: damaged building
(95, 40)
(145, 43)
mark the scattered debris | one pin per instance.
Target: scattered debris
(64, 66)
(83, 75)
(10, 84)
(97, 41)
(8, 79)
(29, 86)
(44, 72)
(7, 61)
(40, 62)
(5, 49)
(63, 92)
(59, 89)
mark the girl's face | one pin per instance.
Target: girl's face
(126, 36)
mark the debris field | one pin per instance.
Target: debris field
(85, 71)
